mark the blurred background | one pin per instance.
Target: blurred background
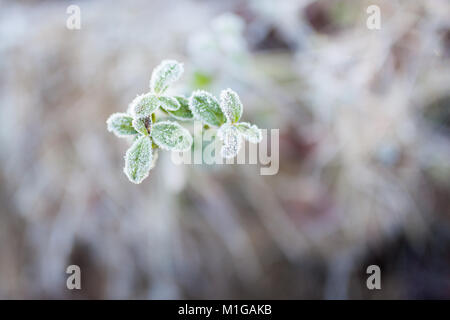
(364, 176)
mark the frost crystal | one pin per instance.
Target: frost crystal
(121, 125)
(205, 107)
(138, 160)
(183, 113)
(170, 135)
(231, 138)
(169, 103)
(231, 105)
(143, 125)
(249, 132)
(144, 105)
(167, 72)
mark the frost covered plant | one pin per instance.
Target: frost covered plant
(150, 134)
(224, 115)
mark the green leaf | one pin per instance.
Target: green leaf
(138, 159)
(249, 132)
(170, 135)
(231, 138)
(142, 125)
(144, 105)
(121, 125)
(183, 113)
(205, 107)
(169, 103)
(231, 105)
(167, 72)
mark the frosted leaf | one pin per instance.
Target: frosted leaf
(167, 72)
(249, 132)
(169, 103)
(142, 125)
(132, 104)
(138, 159)
(205, 107)
(121, 125)
(231, 138)
(231, 105)
(183, 113)
(170, 135)
(144, 105)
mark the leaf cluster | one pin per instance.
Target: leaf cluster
(150, 134)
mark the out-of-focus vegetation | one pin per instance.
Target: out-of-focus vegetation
(364, 151)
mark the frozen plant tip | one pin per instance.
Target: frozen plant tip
(224, 115)
(150, 133)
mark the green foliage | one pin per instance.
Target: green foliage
(149, 135)
(231, 105)
(205, 107)
(144, 105)
(183, 113)
(170, 135)
(121, 125)
(138, 159)
(164, 75)
(142, 125)
(169, 103)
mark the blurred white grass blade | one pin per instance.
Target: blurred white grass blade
(121, 125)
(166, 73)
(170, 135)
(138, 160)
(231, 105)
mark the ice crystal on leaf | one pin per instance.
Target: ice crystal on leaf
(231, 138)
(138, 159)
(166, 73)
(170, 135)
(183, 113)
(206, 108)
(232, 132)
(169, 103)
(142, 125)
(144, 105)
(121, 125)
(230, 105)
